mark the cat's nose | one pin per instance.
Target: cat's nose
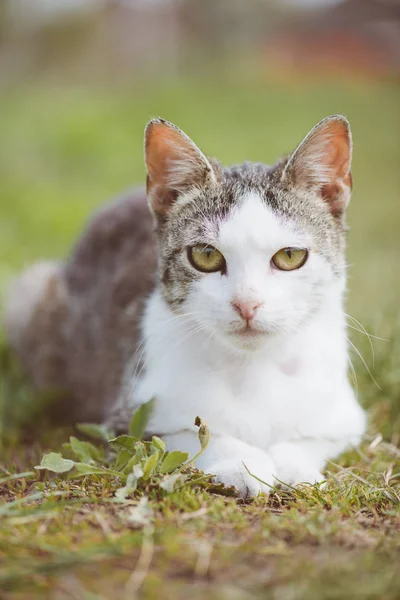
(246, 308)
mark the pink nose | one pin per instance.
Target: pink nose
(246, 309)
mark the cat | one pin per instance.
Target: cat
(224, 300)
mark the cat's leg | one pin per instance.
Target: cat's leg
(227, 458)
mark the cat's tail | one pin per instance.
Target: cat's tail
(34, 321)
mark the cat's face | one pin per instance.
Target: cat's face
(248, 252)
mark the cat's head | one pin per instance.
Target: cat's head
(250, 251)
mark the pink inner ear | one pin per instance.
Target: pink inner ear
(338, 150)
(166, 149)
(163, 146)
(337, 160)
(174, 164)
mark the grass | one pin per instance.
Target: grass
(65, 150)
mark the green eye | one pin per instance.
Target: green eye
(289, 259)
(206, 258)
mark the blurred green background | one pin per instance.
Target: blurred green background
(78, 86)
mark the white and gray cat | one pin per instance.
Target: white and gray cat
(225, 300)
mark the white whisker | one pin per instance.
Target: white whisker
(364, 363)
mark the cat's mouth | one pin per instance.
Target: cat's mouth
(248, 331)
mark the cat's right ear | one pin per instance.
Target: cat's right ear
(174, 165)
(322, 162)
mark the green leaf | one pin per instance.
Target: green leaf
(173, 460)
(85, 451)
(124, 442)
(151, 464)
(56, 463)
(96, 432)
(85, 469)
(158, 444)
(141, 419)
(122, 460)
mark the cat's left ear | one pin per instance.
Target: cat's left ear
(174, 165)
(322, 162)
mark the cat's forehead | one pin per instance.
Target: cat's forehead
(253, 223)
(250, 205)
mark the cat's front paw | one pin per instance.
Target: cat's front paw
(295, 474)
(232, 472)
(294, 466)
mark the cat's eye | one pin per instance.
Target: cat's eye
(288, 259)
(206, 258)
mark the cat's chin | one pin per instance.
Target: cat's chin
(248, 339)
